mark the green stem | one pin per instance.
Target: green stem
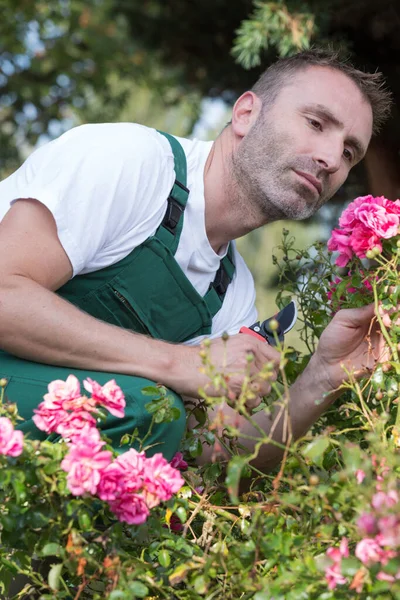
(383, 328)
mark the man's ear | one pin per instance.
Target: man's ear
(245, 112)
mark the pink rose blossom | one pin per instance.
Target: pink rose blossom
(111, 484)
(109, 395)
(364, 224)
(384, 500)
(389, 531)
(360, 476)
(177, 462)
(334, 577)
(367, 524)
(333, 573)
(87, 435)
(381, 576)
(160, 479)
(85, 462)
(369, 551)
(362, 240)
(132, 465)
(74, 422)
(130, 508)
(80, 403)
(11, 441)
(48, 418)
(340, 242)
(64, 390)
(378, 214)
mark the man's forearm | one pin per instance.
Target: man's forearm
(308, 398)
(38, 325)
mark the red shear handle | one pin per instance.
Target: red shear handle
(251, 332)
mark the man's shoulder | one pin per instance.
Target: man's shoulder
(114, 136)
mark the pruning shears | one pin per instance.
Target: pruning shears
(286, 318)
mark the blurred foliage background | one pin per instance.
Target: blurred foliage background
(179, 66)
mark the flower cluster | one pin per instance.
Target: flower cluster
(363, 225)
(65, 410)
(380, 531)
(132, 484)
(11, 441)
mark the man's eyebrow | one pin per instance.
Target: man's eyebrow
(325, 113)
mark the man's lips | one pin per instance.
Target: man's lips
(313, 180)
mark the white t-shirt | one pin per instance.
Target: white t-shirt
(107, 187)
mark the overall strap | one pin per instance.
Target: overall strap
(217, 290)
(170, 228)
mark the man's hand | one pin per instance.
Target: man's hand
(231, 359)
(353, 342)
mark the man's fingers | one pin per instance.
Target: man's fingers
(354, 317)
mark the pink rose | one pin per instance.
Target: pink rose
(64, 390)
(334, 577)
(130, 508)
(363, 239)
(160, 479)
(109, 395)
(367, 524)
(384, 500)
(11, 441)
(378, 215)
(360, 476)
(340, 242)
(80, 403)
(49, 416)
(85, 462)
(112, 483)
(132, 465)
(177, 462)
(74, 422)
(381, 576)
(389, 531)
(368, 551)
(333, 573)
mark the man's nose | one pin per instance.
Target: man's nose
(328, 156)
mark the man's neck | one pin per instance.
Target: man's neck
(228, 213)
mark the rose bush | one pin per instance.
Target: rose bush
(325, 524)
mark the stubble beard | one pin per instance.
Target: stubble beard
(264, 179)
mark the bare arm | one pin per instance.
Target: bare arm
(346, 342)
(38, 325)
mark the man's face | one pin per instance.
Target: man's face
(301, 149)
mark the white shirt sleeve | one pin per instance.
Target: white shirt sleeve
(106, 186)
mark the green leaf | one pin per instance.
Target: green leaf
(51, 549)
(181, 513)
(234, 472)
(139, 589)
(200, 584)
(377, 378)
(54, 576)
(118, 595)
(164, 558)
(315, 450)
(201, 415)
(195, 448)
(151, 390)
(85, 520)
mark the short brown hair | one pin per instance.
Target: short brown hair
(371, 85)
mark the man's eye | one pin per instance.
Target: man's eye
(315, 124)
(347, 154)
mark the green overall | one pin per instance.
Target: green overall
(146, 292)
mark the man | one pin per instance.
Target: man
(100, 272)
